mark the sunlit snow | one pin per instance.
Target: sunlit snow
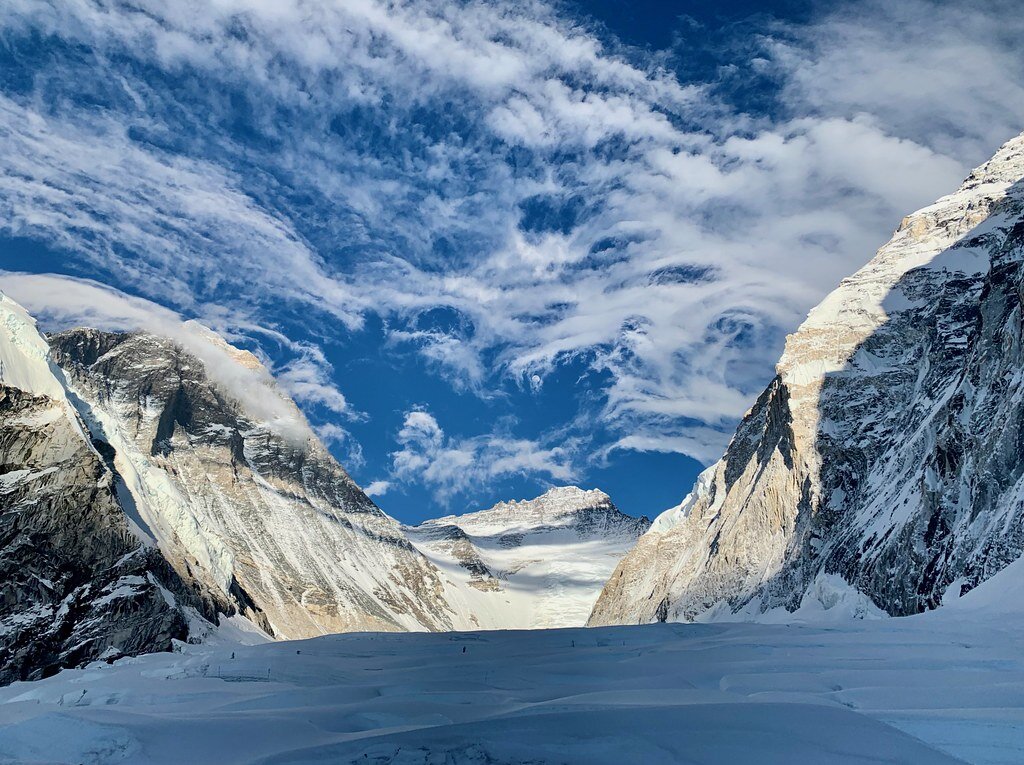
(943, 687)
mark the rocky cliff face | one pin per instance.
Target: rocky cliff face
(888, 452)
(236, 490)
(76, 582)
(533, 563)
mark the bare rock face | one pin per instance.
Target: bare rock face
(76, 583)
(236, 490)
(888, 451)
(531, 563)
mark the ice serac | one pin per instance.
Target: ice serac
(887, 455)
(529, 564)
(225, 476)
(76, 582)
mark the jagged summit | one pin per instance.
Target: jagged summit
(558, 506)
(885, 457)
(530, 563)
(233, 485)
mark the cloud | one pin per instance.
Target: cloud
(174, 227)
(377, 488)
(451, 465)
(949, 75)
(311, 164)
(60, 302)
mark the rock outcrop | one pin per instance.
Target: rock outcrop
(76, 581)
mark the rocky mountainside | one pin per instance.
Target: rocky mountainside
(237, 491)
(141, 502)
(884, 464)
(530, 564)
(76, 582)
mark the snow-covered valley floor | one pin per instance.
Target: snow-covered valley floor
(943, 687)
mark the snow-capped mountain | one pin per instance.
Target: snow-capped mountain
(152, 486)
(223, 474)
(884, 464)
(533, 563)
(147, 491)
(76, 583)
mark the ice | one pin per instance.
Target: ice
(936, 688)
(24, 355)
(25, 363)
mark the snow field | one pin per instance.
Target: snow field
(940, 688)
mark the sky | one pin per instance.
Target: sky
(488, 247)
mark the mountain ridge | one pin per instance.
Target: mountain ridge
(527, 564)
(200, 505)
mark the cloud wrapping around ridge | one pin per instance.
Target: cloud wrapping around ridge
(58, 301)
(561, 196)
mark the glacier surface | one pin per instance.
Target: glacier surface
(941, 687)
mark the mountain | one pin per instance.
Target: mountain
(149, 489)
(223, 474)
(76, 582)
(533, 563)
(151, 486)
(883, 467)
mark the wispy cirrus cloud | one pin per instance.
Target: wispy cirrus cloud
(557, 196)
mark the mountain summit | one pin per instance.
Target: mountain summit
(151, 486)
(531, 563)
(233, 487)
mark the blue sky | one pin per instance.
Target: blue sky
(489, 247)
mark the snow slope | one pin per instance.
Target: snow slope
(886, 454)
(25, 361)
(533, 563)
(927, 689)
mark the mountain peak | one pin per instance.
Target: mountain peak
(535, 562)
(25, 361)
(558, 506)
(234, 487)
(574, 494)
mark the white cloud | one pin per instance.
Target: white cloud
(87, 187)
(701, 235)
(60, 302)
(948, 75)
(377, 488)
(452, 465)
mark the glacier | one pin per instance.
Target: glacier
(530, 564)
(941, 687)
